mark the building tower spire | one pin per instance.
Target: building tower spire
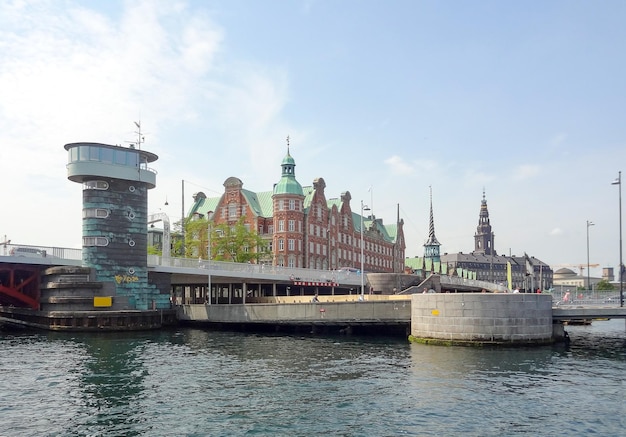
(483, 239)
(288, 204)
(431, 247)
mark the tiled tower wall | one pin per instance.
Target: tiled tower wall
(124, 260)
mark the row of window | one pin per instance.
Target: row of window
(101, 241)
(289, 204)
(291, 261)
(103, 213)
(102, 185)
(126, 157)
(291, 245)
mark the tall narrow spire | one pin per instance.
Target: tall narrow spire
(483, 239)
(431, 247)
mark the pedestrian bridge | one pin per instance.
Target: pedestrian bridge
(198, 271)
(588, 312)
(200, 268)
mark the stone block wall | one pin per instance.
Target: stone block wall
(482, 318)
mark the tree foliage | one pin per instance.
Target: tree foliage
(153, 250)
(228, 242)
(604, 285)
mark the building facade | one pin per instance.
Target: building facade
(305, 229)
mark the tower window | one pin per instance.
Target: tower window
(95, 241)
(96, 185)
(95, 212)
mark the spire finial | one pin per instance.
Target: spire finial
(432, 240)
(287, 144)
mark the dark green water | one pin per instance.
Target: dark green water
(190, 382)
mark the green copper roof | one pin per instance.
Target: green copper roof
(288, 160)
(288, 183)
(203, 205)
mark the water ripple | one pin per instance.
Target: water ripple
(191, 382)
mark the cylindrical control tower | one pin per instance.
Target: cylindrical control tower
(115, 182)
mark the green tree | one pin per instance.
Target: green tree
(228, 243)
(196, 238)
(153, 250)
(604, 285)
(236, 243)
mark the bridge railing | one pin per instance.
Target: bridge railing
(455, 280)
(258, 270)
(235, 269)
(28, 251)
(586, 297)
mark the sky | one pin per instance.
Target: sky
(523, 101)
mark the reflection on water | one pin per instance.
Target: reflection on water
(194, 382)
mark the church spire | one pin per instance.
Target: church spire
(431, 247)
(483, 239)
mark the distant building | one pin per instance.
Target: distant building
(483, 263)
(568, 280)
(305, 229)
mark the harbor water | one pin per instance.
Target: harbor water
(195, 382)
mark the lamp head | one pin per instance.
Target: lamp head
(618, 179)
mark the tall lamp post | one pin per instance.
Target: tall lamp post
(363, 208)
(210, 295)
(618, 181)
(588, 277)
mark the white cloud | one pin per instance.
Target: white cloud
(556, 231)
(74, 74)
(399, 166)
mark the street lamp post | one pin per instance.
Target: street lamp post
(209, 259)
(588, 275)
(363, 208)
(618, 181)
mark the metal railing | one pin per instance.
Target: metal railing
(585, 297)
(455, 280)
(215, 267)
(258, 270)
(27, 251)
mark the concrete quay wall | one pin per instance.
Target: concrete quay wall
(323, 313)
(490, 318)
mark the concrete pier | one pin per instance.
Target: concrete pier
(481, 318)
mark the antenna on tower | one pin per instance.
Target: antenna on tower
(140, 137)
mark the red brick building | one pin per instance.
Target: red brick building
(305, 229)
